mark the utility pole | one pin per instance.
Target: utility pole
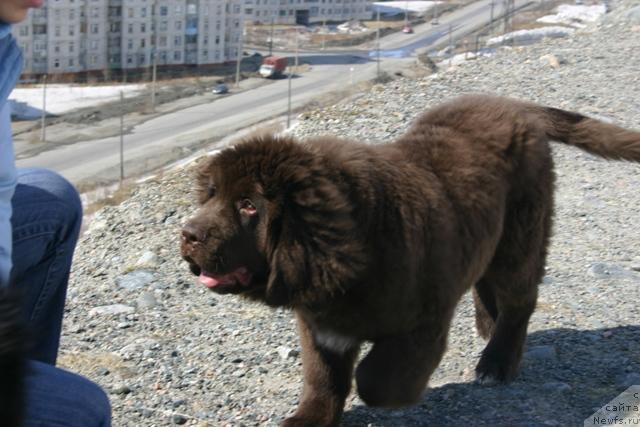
(289, 100)
(450, 43)
(271, 39)
(239, 61)
(121, 138)
(378, 45)
(43, 129)
(491, 21)
(406, 13)
(435, 13)
(297, 45)
(154, 56)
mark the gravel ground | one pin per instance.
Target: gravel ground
(171, 353)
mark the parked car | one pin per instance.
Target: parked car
(220, 89)
(407, 29)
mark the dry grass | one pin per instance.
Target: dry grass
(107, 197)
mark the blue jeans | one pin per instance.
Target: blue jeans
(46, 219)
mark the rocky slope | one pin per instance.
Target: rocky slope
(169, 352)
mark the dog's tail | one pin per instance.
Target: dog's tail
(12, 363)
(594, 136)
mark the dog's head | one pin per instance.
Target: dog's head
(275, 223)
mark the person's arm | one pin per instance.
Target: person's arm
(7, 186)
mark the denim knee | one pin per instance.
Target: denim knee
(60, 398)
(58, 190)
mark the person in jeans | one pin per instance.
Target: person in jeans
(40, 217)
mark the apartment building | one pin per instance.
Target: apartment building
(306, 12)
(69, 36)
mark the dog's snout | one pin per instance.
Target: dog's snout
(192, 234)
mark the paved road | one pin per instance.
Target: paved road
(172, 136)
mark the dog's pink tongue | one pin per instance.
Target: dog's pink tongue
(208, 281)
(240, 275)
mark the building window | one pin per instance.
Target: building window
(71, 63)
(164, 10)
(143, 12)
(143, 43)
(217, 39)
(162, 41)
(57, 31)
(143, 27)
(94, 44)
(24, 30)
(56, 48)
(178, 10)
(95, 12)
(131, 13)
(72, 31)
(205, 53)
(95, 28)
(177, 55)
(178, 25)
(71, 47)
(56, 63)
(177, 41)
(163, 26)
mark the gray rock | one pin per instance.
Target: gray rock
(286, 352)
(556, 387)
(633, 15)
(148, 260)
(121, 390)
(627, 380)
(604, 271)
(135, 280)
(112, 309)
(541, 352)
(179, 419)
(146, 300)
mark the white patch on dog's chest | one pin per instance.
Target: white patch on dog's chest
(334, 341)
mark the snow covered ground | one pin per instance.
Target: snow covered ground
(62, 98)
(396, 7)
(566, 20)
(574, 15)
(521, 37)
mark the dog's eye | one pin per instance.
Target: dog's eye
(211, 191)
(246, 207)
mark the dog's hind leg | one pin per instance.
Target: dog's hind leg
(486, 311)
(507, 293)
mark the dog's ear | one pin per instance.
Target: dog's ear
(316, 245)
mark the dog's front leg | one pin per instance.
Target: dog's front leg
(327, 381)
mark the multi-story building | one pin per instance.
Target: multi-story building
(306, 11)
(68, 36)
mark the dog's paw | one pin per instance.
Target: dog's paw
(307, 421)
(492, 370)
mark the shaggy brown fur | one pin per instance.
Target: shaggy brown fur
(378, 243)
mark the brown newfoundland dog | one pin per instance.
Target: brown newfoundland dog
(378, 243)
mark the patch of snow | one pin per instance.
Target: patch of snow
(530, 36)
(391, 8)
(460, 59)
(62, 98)
(575, 15)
